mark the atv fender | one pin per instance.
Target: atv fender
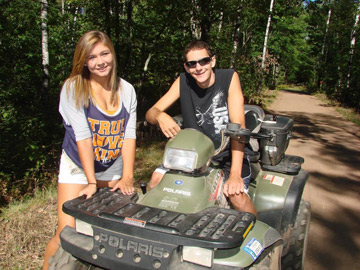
(277, 197)
(261, 237)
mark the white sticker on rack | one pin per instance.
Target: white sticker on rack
(276, 180)
(254, 248)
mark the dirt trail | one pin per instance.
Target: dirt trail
(331, 148)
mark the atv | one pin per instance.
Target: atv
(186, 222)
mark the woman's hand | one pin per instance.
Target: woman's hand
(126, 185)
(89, 190)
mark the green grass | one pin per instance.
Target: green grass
(349, 113)
(148, 158)
(18, 207)
(27, 226)
(287, 87)
(269, 96)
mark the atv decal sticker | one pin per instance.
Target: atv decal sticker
(179, 182)
(168, 204)
(254, 248)
(217, 187)
(134, 222)
(177, 191)
(276, 180)
(132, 245)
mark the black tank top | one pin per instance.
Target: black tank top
(207, 111)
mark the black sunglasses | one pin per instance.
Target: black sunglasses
(204, 61)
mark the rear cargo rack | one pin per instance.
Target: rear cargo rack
(211, 228)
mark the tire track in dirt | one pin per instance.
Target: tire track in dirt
(331, 148)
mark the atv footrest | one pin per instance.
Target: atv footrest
(288, 165)
(211, 228)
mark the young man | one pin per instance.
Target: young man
(210, 98)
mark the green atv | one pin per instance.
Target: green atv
(186, 222)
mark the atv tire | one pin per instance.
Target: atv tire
(295, 258)
(63, 260)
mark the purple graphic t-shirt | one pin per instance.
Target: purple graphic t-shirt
(107, 131)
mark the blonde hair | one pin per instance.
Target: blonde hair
(80, 74)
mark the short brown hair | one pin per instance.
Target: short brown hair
(197, 45)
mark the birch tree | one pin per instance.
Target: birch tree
(323, 55)
(236, 37)
(267, 35)
(352, 45)
(326, 30)
(44, 47)
(194, 22)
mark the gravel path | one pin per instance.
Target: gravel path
(331, 148)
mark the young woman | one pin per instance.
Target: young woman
(99, 115)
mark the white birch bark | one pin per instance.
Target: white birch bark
(147, 62)
(235, 39)
(220, 21)
(352, 46)
(44, 45)
(267, 35)
(326, 31)
(194, 24)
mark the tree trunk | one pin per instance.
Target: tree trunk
(220, 22)
(326, 31)
(107, 17)
(352, 46)
(267, 35)
(236, 38)
(322, 60)
(129, 13)
(44, 48)
(194, 23)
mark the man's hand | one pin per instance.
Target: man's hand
(126, 185)
(167, 125)
(234, 185)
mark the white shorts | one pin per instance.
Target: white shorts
(70, 173)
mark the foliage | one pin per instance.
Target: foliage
(149, 37)
(331, 50)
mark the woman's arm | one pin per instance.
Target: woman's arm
(126, 183)
(86, 154)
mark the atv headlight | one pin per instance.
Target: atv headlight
(197, 255)
(178, 159)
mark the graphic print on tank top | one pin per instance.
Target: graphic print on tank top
(108, 132)
(216, 115)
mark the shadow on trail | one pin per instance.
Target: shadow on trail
(335, 139)
(301, 92)
(341, 225)
(327, 141)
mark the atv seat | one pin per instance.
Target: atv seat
(254, 116)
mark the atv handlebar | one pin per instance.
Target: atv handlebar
(235, 131)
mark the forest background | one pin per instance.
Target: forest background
(268, 42)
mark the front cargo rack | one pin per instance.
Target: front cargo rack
(211, 228)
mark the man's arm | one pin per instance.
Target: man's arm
(235, 184)
(157, 115)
